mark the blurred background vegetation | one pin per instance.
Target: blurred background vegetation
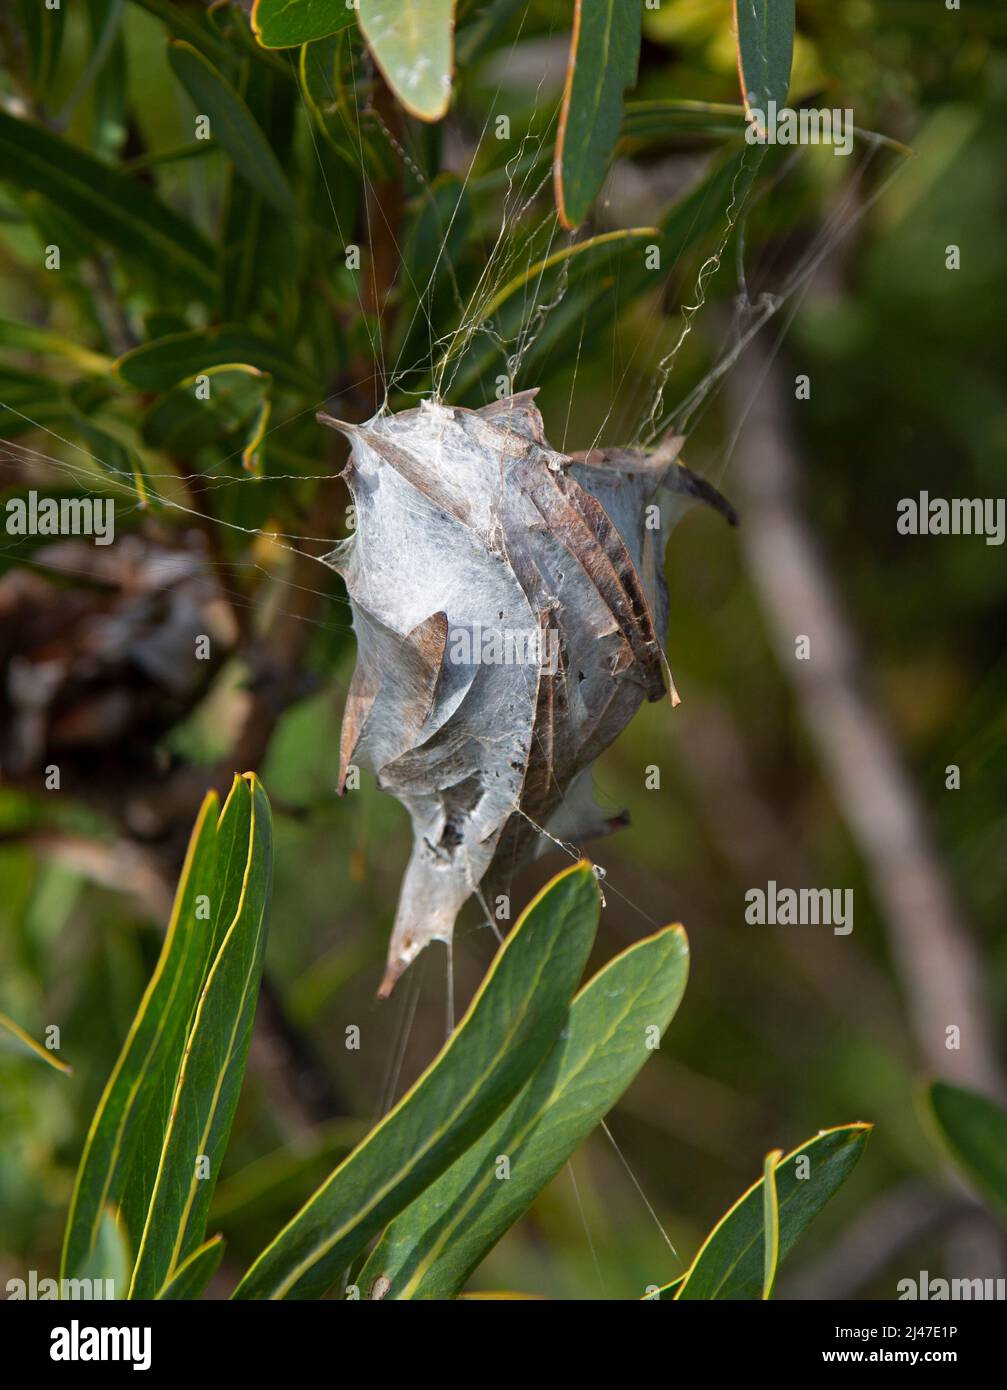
(784, 1030)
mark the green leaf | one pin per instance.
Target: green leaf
(667, 1293)
(107, 77)
(132, 1112)
(232, 21)
(42, 340)
(275, 1185)
(649, 121)
(287, 23)
(251, 453)
(195, 1272)
(121, 1152)
(437, 230)
(258, 252)
(491, 18)
(328, 97)
(600, 284)
(731, 1264)
(514, 295)
(765, 36)
(770, 1223)
(114, 458)
(975, 1130)
(106, 59)
(54, 227)
(167, 361)
(181, 421)
(176, 19)
(412, 43)
(434, 1245)
(106, 203)
(43, 29)
(232, 125)
(27, 400)
(213, 1064)
(511, 1023)
(111, 1257)
(603, 62)
(26, 1040)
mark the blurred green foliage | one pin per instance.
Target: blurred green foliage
(172, 252)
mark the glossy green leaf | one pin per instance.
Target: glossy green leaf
(231, 19)
(317, 65)
(106, 203)
(603, 62)
(326, 70)
(770, 1222)
(132, 1112)
(181, 421)
(232, 125)
(434, 1245)
(287, 23)
(251, 453)
(412, 43)
(765, 35)
(667, 1293)
(510, 1025)
(167, 361)
(26, 1041)
(975, 1130)
(731, 1262)
(121, 1152)
(213, 1064)
(195, 1272)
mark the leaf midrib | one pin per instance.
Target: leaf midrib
(183, 1071)
(404, 1171)
(554, 1096)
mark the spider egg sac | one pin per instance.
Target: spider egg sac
(509, 607)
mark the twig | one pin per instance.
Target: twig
(932, 946)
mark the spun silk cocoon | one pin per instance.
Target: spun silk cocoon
(509, 606)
